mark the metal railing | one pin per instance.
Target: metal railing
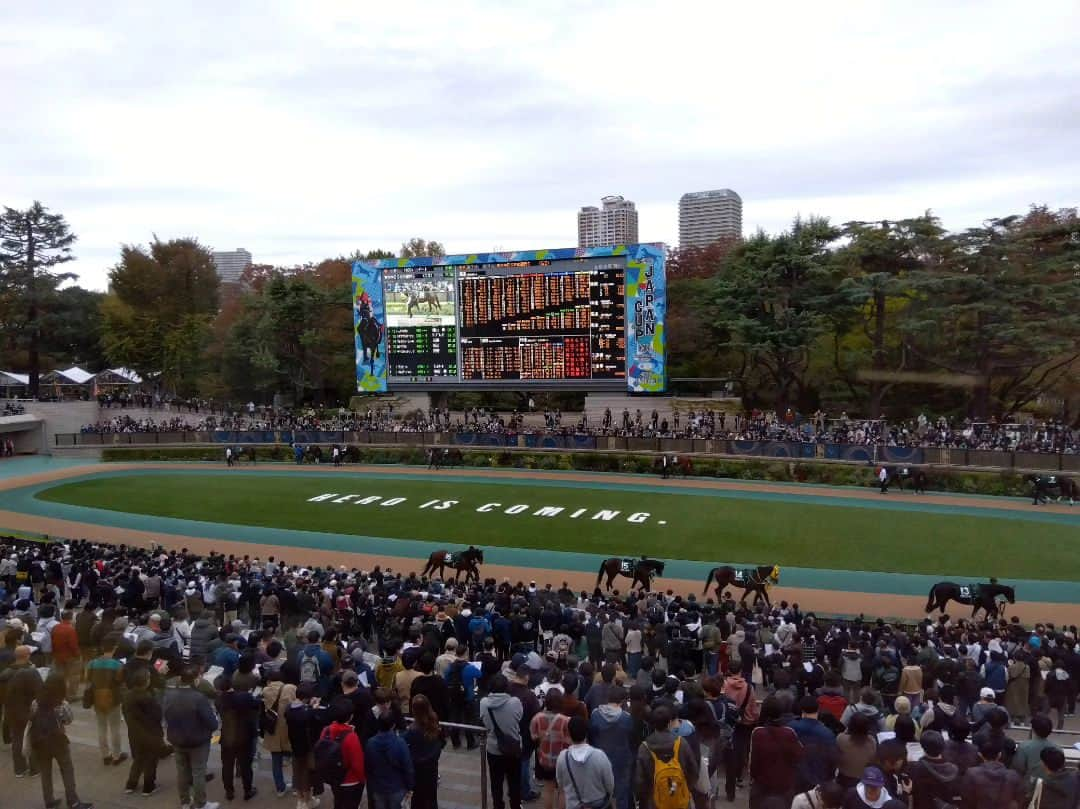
(540, 442)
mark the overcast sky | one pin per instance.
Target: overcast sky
(302, 130)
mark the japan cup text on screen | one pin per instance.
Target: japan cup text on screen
(369, 328)
(646, 307)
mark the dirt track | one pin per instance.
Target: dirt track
(825, 601)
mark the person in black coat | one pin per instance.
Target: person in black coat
(239, 712)
(142, 715)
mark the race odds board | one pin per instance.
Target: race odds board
(581, 319)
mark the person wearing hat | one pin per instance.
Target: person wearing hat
(982, 709)
(870, 793)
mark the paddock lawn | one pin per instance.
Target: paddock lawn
(703, 527)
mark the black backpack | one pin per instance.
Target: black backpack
(45, 729)
(329, 757)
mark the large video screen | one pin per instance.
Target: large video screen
(555, 318)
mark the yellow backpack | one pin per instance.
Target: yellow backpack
(670, 790)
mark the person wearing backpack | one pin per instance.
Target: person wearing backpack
(315, 666)
(339, 757)
(276, 697)
(461, 679)
(584, 772)
(666, 765)
(49, 715)
(390, 775)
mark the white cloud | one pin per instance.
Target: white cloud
(301, 130)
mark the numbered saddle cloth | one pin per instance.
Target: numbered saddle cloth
(628, 566)
(743, 576)
(452, 559)
(970, 591)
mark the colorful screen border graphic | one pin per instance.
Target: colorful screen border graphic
(646, 308)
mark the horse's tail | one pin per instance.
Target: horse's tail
(932, 600)
(708, 580)
(600, 575)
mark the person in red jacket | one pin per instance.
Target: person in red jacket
(67, 658)
(351, 790)
(775, 751)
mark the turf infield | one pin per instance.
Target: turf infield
(889, 535)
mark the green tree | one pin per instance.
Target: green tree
(1004, 309)
(418, 248)
(32, 243)
(768, 307)
(879, 271)
(158, 314)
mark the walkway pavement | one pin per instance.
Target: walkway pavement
(459, 786)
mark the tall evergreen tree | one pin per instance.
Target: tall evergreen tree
(1005, 309)
(33, 243)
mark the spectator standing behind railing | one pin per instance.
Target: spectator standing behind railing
(501, 715)
(388, 766)
(425, 740)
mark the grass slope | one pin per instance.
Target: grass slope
(694, 527)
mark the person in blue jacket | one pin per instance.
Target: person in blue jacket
(315, 665)
(389, 767)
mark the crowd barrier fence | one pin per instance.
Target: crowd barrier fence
(772, 450)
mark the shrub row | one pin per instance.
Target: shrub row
(988, 483)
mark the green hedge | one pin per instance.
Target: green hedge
(989, 483)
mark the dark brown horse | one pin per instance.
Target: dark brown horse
(467, 560)
(756, 580)
(640, 570)
(668, 465)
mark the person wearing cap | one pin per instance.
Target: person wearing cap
(981, 710)
(933, 779)
(991, 785)
(21, 683)
(870, 793)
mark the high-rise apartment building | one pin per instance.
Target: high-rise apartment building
(231, 264)
(708, 216)
(615, 222)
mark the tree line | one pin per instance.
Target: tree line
(888, 317)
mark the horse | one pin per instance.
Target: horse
(370, 331)
(1066, 487)
(756, 579)
(427, 296)
(980, 596)
(467, 560)
(898, 474)
(675, 465)
(641, 571)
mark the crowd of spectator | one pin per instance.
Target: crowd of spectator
(653, 701)
(755, 425)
